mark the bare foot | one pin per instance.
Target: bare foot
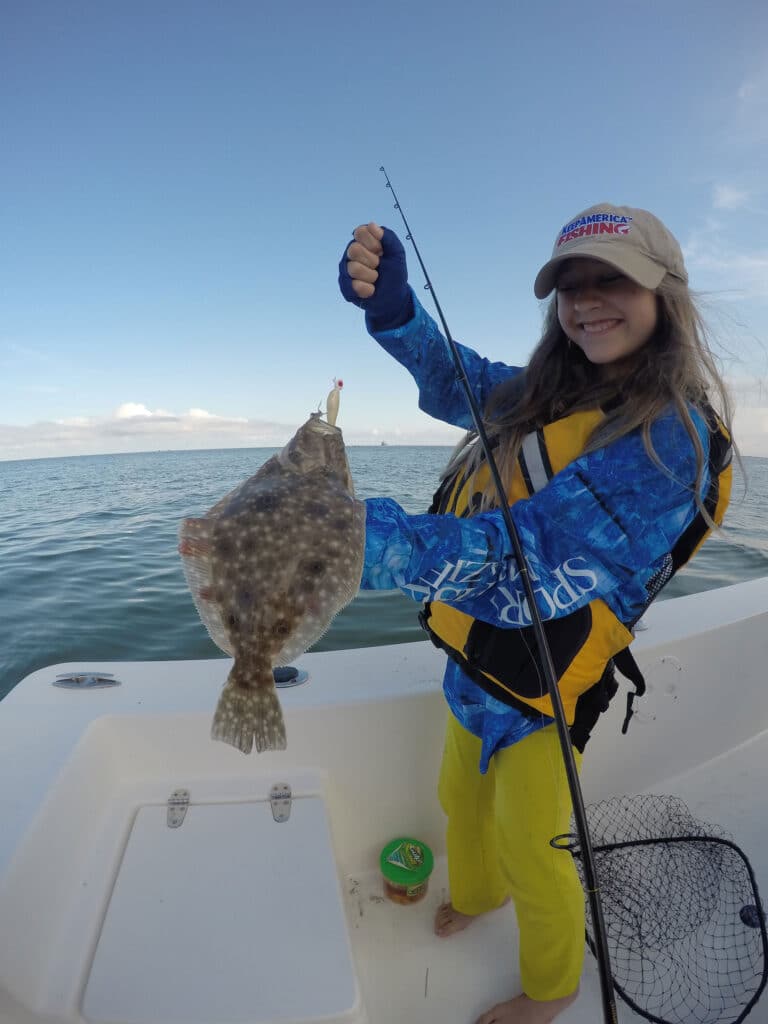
(449, 921)
(524, 1010)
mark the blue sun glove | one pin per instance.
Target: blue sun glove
(391, 304)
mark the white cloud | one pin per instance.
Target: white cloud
(202, 414)
(739, 137)
(750, 117)
(753, 91)
(130, 410)
(742, 274)
(138, 411)
(74, 421)
(726, 197)
(133, 427)
(83, 435)
(749, 394)
(750, 430)
(9, 347)
(135, 419)
(718, 264)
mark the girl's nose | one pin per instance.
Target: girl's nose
(586, 296)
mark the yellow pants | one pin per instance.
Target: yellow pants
(499, 828)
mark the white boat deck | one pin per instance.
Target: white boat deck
(456, 979)
(83, 775)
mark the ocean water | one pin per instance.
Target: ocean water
(89, 569)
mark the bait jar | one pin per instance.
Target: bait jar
(406, 865)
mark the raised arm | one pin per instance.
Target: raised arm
(373, 275)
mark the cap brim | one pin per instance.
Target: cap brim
(633, 264)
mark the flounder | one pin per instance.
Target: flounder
(270, 565)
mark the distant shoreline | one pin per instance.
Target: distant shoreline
(197, 451)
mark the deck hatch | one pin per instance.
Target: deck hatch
(228, 919)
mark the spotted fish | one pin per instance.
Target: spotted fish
(270, 565)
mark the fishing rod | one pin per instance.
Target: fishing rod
(550, 676)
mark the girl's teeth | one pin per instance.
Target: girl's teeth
(600, 326)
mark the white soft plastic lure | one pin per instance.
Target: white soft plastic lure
(332, 403)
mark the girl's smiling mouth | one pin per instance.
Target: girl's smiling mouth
(600, 326)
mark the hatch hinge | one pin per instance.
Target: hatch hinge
(178, 802)
(280, 799)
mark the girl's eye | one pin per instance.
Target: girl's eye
(603, 282)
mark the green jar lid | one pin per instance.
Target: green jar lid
(406, 862)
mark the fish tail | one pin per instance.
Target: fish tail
(248, 715)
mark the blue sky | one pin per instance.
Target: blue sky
(178, 181)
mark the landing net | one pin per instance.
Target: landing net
(686, 929)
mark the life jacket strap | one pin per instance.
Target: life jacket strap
(626, 664)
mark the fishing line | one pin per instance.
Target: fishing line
(550, 676)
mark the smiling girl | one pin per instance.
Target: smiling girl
(616, 466)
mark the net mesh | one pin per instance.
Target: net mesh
(686, 931)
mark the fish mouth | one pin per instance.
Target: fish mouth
(321, 426)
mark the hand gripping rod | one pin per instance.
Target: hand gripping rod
(585, 843)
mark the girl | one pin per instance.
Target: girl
(615, 467)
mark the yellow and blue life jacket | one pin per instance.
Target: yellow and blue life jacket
(585, 644)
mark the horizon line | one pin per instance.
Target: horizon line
(193, 451)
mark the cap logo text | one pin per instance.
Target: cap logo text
(595, 224)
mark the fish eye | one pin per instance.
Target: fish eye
(264, 503)
(281, 627)
(314, 567)
(317, 509)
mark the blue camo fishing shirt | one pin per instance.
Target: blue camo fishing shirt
(602, 527)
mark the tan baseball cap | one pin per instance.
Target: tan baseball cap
(633, 241)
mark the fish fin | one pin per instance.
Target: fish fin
(194, 547)
(248, 716)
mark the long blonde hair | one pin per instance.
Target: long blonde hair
(674, 368)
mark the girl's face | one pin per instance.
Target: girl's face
(603, 312)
